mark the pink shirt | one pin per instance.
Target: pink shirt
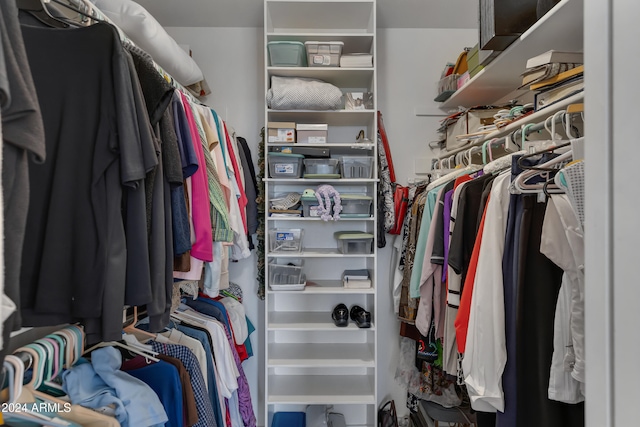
(202, 247)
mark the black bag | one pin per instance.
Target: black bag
(387, 416)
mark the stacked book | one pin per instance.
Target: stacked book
(554, 76)
(356, 60)
(356, 279)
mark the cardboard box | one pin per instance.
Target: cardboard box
(312, 133)
(468, 122)
(281, 132)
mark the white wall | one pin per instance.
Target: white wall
(232, 60)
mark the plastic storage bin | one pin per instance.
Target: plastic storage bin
(310, 206)
(321, 168)
(354, 242)
(289, 419)
(286, 275)
(283, 165)
(287, 54)
(355, 206)
(356, 166)
(285, 240)
(324, 54)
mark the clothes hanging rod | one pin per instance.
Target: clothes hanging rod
(517, 126)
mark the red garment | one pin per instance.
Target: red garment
(461, 179)
(202, 248)
(242, 200)
(462, 319)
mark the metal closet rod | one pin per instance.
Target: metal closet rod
(515, 136)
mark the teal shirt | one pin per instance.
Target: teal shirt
(421, 244)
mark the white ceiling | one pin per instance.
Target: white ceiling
(249, 13)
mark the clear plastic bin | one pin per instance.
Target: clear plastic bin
(354, 242)
(286, 273)
(310, 206)
(328, 168)
(324, 54)
(355, 205)
(356, 166)
(287, 54)
(283, 165)
(285, 240)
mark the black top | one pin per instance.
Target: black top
(465, 230)
(75, 241)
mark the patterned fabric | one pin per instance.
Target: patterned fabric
(385, 188)
(296, 93)
(234, 291)
(206, 417)
(261, 220)
(220, 212)
(408, 305)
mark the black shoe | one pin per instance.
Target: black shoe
(360, 316)
(340, 315)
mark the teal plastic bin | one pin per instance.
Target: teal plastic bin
(287, 54)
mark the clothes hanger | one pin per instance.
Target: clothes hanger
(131, 327)
(38, 10)
(134, 350)
(520, 186)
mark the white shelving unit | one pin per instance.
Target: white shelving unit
(560, 29)
(309, 360)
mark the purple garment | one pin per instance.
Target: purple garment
(448, 203)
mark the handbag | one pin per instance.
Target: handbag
(387, 416)
(400, 202)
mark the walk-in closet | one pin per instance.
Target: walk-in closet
(318, 213)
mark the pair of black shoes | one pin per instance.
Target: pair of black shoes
(359, 315)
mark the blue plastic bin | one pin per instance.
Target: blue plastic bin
(287, 54)
(289, 419)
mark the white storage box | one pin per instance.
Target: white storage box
(356, 166)
(355, 206)
(354, 242)
(285, 240)
(281, 132)
(283, 165)
(286, 274)
(312, 133)
(323, 54)
(321, 168)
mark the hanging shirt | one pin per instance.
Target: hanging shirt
(23, 136)
(485, 353)
(75, 210)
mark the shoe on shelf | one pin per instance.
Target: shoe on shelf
(340, 315)
(360, 316)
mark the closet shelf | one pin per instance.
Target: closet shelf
(560, 29)
(340, 77)
(321, 389)
(536, 117)
(331, 117)
(308, 180)
(345, 145)
(308, 321)
(317, 253)
(315, 219)
(327, 287)
(354, 42)
(329, 355)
